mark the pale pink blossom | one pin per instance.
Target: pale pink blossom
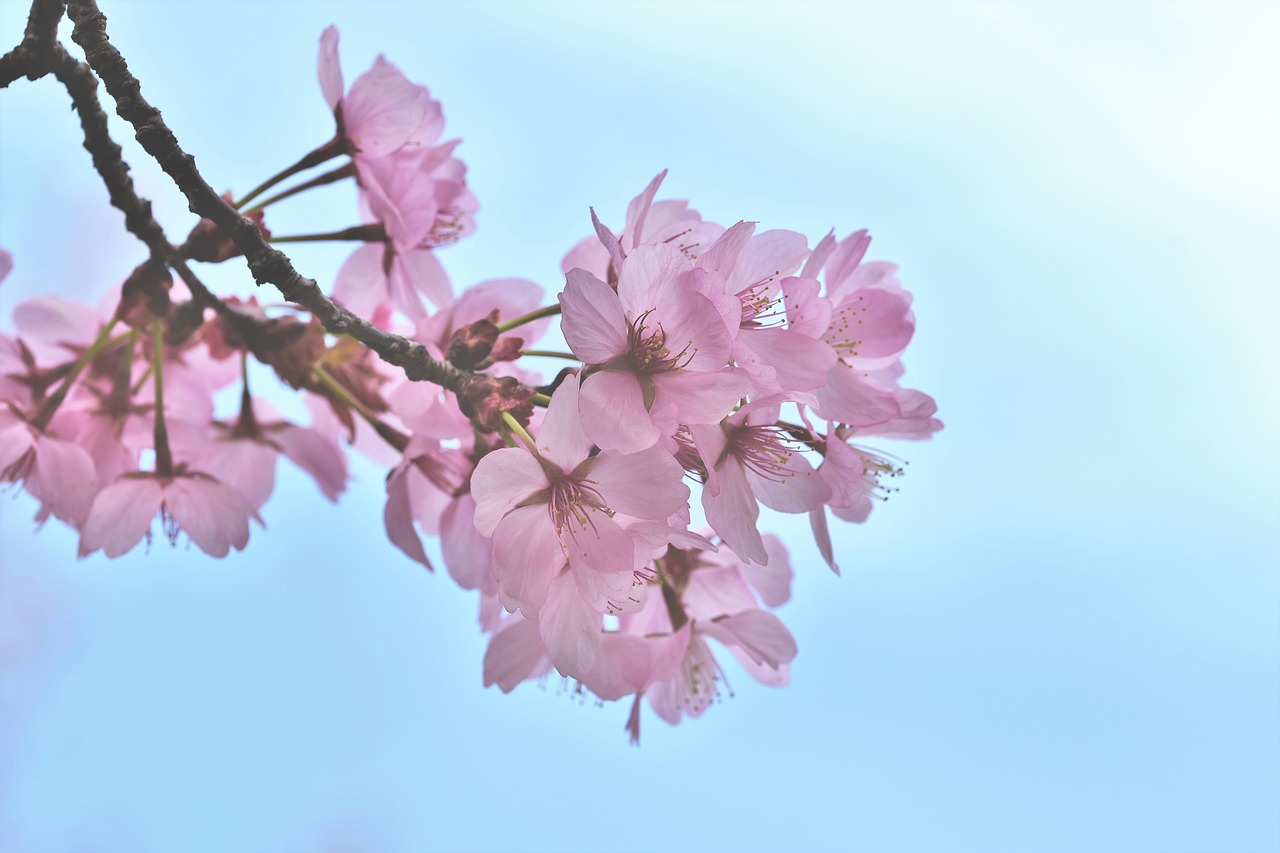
(244, 453)
(656, 350)
(58, 473)
(383, 111)
(552, 508)
(749, 461)
(213, 515)
(669, 222)
(779, 319)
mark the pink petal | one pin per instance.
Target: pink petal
(361, 282)
(773, 580)
(602, 561)
(397, 516)
(561, 438)
(15, 440)
(722, 255)
(317, 454)
(818, 257)
(638, 209)
(592, 320)
(871, 323)
(796, 488)
(733, 513)
(526, 554)
(64, 480)
(649, 274)
(648, 484)
(614, 414)
(808, 312)
(771, 676)
(701, 398)
(608, 240)
(760, 634)
(212, 514)
(716, 591)
(468, 555)
(822, 536)
(383, 109)
(419, 271)
(621, 666)
(848, 254)
(121, 515)
(245, 465)
(55, 329)
(503, 479)
(851, 398)
(513, 654)
(768, 256)
(328, 69)
(570, 627)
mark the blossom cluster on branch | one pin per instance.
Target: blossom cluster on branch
(706, 371)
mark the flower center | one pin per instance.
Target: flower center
(764, 449)
(647, 350)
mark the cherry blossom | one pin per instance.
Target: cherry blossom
(730, 373)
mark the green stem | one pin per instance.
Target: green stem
(549, 311)
(337, 174)
(549, 353)
(164, 457)
(333, 148)
(520, 432)
(50, 406)
(541, 400)
(142, 380)
(391, 436)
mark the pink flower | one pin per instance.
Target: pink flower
(749, 459)
(383, 111)
(413, 186)
(656, 350)
(553, 507)
(244, 454)
(58, 473)
(212, 514)
(780, 319)
(871, 325)
(669, 222)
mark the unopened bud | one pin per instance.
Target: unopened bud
(485, 398)
(145, 295)
(209, 244)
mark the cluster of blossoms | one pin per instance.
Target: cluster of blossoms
(706, 371)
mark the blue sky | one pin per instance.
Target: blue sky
(1064, 632)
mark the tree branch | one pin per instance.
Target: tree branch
(266, 263)
(33, 56)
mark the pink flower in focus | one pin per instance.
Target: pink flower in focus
(553, 508)
(656, 350)
(780, 320)
(749, 459)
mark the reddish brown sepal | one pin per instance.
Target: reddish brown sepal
(485, 398)
(208, 243)
(145, 295)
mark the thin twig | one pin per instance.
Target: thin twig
(266, 263)
(34, 54)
